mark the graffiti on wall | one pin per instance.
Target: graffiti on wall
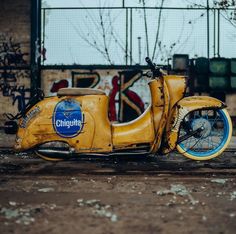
(131, 104)
(127, 91)
(58, 85)
(124, 104)
(128, 96)
(13, 82)
(10, 52)
(85, 79)
(10, 86)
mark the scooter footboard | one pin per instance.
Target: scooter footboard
(178, 113)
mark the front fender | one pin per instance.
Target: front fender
(178, 113)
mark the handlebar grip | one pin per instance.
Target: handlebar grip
(150, 63)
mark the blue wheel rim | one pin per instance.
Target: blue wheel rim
(204, 147)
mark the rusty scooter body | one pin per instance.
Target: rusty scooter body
(76, 122)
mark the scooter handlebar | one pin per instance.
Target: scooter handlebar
(156, 71)
(150, 63)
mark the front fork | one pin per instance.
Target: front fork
(190, 133)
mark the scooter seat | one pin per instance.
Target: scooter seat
(79, 92)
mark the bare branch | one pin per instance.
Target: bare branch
(104, 37)
(158, 29)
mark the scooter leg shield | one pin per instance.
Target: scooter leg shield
(178, 113)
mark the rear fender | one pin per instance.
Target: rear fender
(178, 113)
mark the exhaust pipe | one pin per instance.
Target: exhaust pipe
(68, 154)
(55, 153)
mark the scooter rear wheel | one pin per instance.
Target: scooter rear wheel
(212, 140)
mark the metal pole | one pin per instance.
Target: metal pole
(35, 44)
(39, 36)
(131, 34)
(43, 44)
(214, 38)
(208, 33)
(139, 49)
(126, 41)
(120, 111)
(218, 49)
(145, 24)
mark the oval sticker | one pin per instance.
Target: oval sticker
(68, 118)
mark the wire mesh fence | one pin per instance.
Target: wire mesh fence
(126, 35)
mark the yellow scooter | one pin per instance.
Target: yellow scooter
(76, 123)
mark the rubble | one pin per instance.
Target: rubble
(74, 179)
(46, 190)
(232, 195)
(178, 189)
(99, 208)
(19, 215)
(219, 181)
(12, 203)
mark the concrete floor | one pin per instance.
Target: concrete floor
(165, 194)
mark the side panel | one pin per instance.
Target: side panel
(44, 124)
(178, 113)
(138, 131)
(97, 107)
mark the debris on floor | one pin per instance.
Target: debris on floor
(46, 190)
(233, 195)
(98, 208)
(219, 181)
(178, 189)
(19, 215)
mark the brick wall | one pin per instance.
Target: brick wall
(14, 51)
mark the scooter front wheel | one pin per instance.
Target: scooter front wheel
(212, 133)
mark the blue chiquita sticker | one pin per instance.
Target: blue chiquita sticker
(68, 118)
